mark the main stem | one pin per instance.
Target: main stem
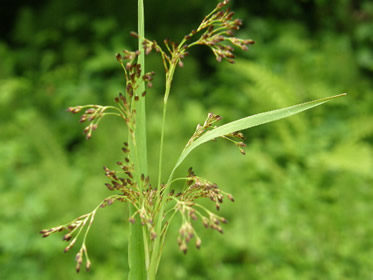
(137, 253)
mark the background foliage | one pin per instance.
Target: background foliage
(303, 191)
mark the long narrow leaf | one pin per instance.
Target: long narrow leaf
(136, 253)
(252, 121)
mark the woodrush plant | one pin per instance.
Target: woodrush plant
(152, 208)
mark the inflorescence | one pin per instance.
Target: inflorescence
(216, 31)
(189, 210)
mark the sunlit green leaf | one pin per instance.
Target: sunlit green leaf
(252, 121)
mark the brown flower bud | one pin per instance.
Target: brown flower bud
(77, 268)
(74, 110)
(128, 65)
(183, 248)
(153, 235)
(69, 246)
(205, 222)
(118, 57)
(198, 243)
(193, 216)
(66, 237)
(134, 34)
(230, 15)
(88, 265)
(90, 111)
(83, 118)
(224, 220)
(71, 226)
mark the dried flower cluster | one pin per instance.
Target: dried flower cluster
(201, 129)
(75, 228)
(215, 31)
(218, 29)
(124, 109)
(93, 114)
(196, 188)
(235, 137)
(122, 181)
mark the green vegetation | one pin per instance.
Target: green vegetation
(303, 190)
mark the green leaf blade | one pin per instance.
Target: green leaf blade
(136, 247)
(252, 121)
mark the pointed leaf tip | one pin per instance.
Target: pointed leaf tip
(252, 121)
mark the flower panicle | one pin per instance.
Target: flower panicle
(83, 253)
(237, 138)
(218, 30)
(190, 211)
(201, 129)
(93, 114)
(134, 77)
(75, 229)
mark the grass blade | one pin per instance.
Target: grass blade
(136, 252)
(252, 121)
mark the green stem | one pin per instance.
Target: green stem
(161, 145)
(156, 253)
(169, 78)
(137, 252)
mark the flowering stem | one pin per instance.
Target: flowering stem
(156, 253)
(169, 77)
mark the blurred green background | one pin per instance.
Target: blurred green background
(303, 192)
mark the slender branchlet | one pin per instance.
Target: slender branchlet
(76, 227)
(235, 137)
